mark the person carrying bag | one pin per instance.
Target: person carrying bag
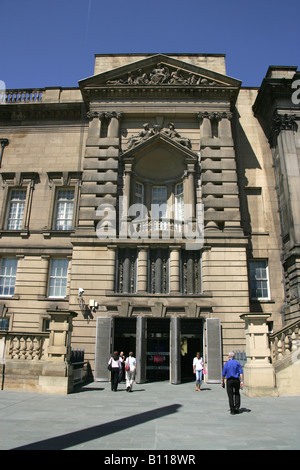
(130, 368)
(114, 365)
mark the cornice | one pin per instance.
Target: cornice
(272, 91)
(163, 93)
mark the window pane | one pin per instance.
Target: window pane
(259, 283)
(179, 205)
(16, 209)
(159, 198)
(8, 273)
(4, 324)
(139, 193)
(58, 277)
(64, 209)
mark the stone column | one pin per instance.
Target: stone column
(174, 269)
(205, 125)
(224, 127)
(95, 123)
(142, 268)
(175, 351)
(114, 124)
(285, 127)
(125, 201)
(259, 375)
(57, 373)
(141, 349)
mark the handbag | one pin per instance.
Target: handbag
(127, 366)
(109, 366)
(204, 371)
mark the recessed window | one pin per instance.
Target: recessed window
(8, 271)
(159, 201)
(158, 271)
(16, 207)
(191, 282)
(139, 193)
(4, 324)
(64, 209)
(259, 280)
(126, 272)
(58, 277)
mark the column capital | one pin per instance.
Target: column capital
(284, 122)
(218, 115)
(114, 114)
(93, 115)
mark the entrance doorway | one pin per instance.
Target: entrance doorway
(191, 343)
(154, 358)
(158, 349)
(124, 335)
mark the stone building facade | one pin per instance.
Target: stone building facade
(159, 201)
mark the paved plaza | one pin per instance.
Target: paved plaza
(155, 416)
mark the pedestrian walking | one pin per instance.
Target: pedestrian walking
(198, 365)
(130, 369)
(122, 371)
(114, 365)
(233, 371)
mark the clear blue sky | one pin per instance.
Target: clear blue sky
(52, 43)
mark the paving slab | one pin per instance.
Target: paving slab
(156, 416)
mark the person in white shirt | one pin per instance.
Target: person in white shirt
(198, 370)
(130, 368)
(115, 367)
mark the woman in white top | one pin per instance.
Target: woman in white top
(130, 368)
(198, 370)
(115, 365)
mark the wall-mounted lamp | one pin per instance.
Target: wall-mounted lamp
(3, 143)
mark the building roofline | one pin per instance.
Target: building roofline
(192, 54)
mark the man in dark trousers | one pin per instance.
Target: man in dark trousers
(233, 371)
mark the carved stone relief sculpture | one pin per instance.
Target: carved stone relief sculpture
(150, 130)
(161, 75)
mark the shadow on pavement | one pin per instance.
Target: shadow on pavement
(96, 432)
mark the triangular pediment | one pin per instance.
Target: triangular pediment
(159, 158)
(159, 139)
(159, 71)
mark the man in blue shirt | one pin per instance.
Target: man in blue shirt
(233, 371)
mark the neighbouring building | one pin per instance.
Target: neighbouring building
(159, 203)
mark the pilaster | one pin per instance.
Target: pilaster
(219, 176)
(100, 181)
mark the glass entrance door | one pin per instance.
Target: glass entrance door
(158, 349)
